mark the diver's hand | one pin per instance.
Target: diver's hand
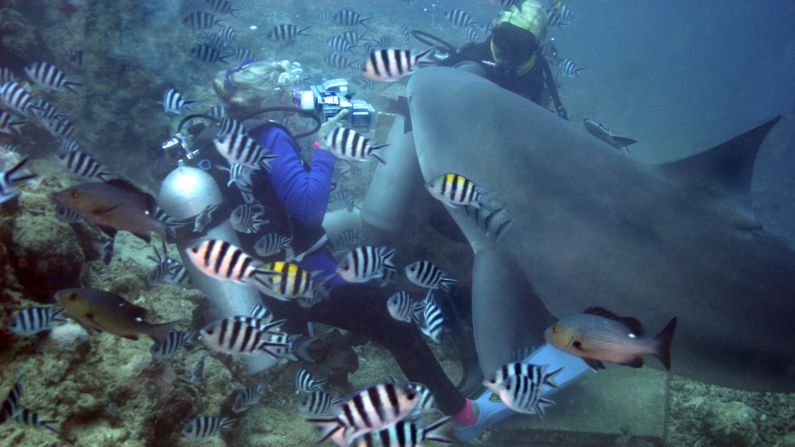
(333, 122)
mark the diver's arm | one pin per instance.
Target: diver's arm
(553, 89)
(304, 193)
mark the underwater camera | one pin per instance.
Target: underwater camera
(330, 97)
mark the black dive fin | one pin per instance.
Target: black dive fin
(728, 166)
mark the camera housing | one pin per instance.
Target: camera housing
(330, 97)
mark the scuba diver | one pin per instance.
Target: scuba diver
(511, 56)
(295, 195)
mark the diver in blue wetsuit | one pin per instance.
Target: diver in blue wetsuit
(295, 195)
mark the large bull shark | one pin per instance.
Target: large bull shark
(591, 227)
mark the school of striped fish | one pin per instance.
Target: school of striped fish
(386, 414)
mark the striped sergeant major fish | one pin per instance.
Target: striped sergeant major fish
(9, 124)
(167, 270)
(460, 18)
(391, 64)
(261, 313)
(243, 54)
(47, 75)
(284, 32)
(59, 128)
(201, 220)
(34, 319)
(432, 324)
(405, 433)
(67, 215)
(315, 403)
(242, 149)
(11, 178)
(569, 69)
(222, 7)
(174, 102)
(175, 340)
(455, 190)
(11, 405)
(366, 263)
(200, 20)
(107, 249)
(522, 394)
(226, 262)
(207, 426)
(538, 373)
(292, 347)
(559, 15)
(248, 218)
(217, 112)
(349, 17)
(248, 397)
(227, 35)
(353, 36)
(229, 126)
(371, 409)
(30, 418)
(339, 44)
(197, 374)
(288, 281)
(305, 383)
(348, 238)
(69, 145)
(216, 41)
(44, 109)
(338, 61)
(207, 53)
(6, 75)
(240, 335)
(402, 307)
(426, 400)
(346, 198)
(272, 244)
(17, 97)
(471, 34)
(428, 275)
(84, 165)
(350, 145)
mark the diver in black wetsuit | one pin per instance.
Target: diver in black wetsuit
(511, 57)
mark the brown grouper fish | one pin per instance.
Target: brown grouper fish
(107, 312)
(114, 205)
(598, 335)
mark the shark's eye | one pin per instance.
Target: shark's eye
(555, 328)
(74, 193)
(577, 345)
(72, 296)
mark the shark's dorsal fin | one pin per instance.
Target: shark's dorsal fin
(725, 168)
(631, 323)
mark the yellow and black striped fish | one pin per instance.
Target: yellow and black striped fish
(289, 281)
(454, 190)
